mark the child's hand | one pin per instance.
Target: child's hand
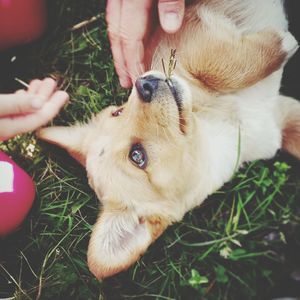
(28, 110)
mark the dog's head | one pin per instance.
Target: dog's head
(139, 161)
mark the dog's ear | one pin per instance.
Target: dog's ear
(226, 60)
(118, 239)
(70, 138)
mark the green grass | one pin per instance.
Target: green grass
(238, 245)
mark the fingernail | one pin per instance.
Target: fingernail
(170, 22)
(37, 103)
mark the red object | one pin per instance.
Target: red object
(17, 192)
(21, 21)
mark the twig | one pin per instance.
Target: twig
(171, 65)
(22, 82)
(84, 23)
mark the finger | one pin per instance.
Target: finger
(47, 88)
(34, 86)
(21, 92)
(18, 103)
(42, 89)
(113, 17)
(134, 55)
(12, 126)
(119, 61)
(171, 14)
(133, 30)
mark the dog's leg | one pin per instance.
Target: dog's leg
(219, 58)
(290, 112)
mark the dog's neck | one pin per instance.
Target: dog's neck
(217, 155)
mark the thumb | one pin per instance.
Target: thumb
(171, 14)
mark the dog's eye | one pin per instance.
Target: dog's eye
(118, 112)
(138, 156)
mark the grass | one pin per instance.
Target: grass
(242, 243)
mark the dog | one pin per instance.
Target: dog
(183, 133)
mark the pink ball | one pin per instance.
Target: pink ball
(17, 192)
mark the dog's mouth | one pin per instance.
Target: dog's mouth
(176, 94)
(151, 87)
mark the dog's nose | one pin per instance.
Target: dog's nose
(146, 87)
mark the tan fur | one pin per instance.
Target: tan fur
(68, 136)
(249, 59)
(290, 111)
(227, 75)
(156, 225)
(228, 80)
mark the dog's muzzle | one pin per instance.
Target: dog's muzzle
(146, 87)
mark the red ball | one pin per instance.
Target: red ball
(17, 192)
(21, 21)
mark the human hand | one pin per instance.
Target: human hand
(129, 25)
(26, 110)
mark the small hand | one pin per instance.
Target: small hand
(27, 110)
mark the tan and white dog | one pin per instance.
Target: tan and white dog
(179, 139)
